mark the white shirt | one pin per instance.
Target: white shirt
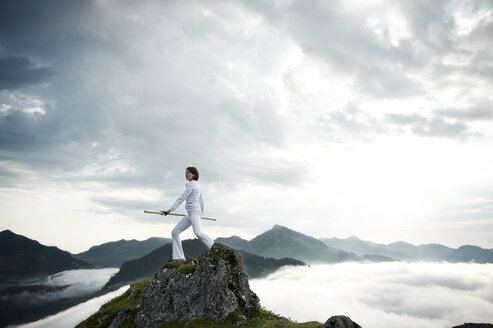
(193, 195)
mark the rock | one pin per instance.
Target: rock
(133, 294)
(124, 313)
(340, 321)
(213, 287)
(475, 325)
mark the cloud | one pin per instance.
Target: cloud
(19, 71)
(408, 50)
(260, 96)
(429, 127)
(342, 38)
(65, 284)
(390, 294)
(480, 112)
(150, 110)
(76, 314)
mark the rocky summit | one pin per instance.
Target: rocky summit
(212, 287)
(212, 292)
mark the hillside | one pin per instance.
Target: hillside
(21, 257)
(131, 271)
(468, 253)
(113, 254)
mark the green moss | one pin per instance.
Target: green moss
(180, 267)
(172, 265)
(187, 268)
(110, 309)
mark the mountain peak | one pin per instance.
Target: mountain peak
(279, 227)
(215, 287)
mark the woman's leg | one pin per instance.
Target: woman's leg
(182, 225)
(195, 218)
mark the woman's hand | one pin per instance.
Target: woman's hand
(165, 212)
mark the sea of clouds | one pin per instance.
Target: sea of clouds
(395, 294)
(74, 315)
(76, 282)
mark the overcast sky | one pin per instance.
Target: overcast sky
(333, 118)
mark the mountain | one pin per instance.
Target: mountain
(114, 253)
(407, 252)
(280, 242)
(21, 257)
(145, 266)
(212, 291)
(233, 241)
(283, 242)
(469, 253)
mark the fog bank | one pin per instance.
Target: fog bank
(74, 315)
(382, 294)
(65, 284)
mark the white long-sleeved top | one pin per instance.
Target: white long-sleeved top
(193, 196)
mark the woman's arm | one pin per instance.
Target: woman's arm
(180, 199)
(201, 201)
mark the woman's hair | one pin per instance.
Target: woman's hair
(194, 171)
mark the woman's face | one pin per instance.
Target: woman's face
(188, 175)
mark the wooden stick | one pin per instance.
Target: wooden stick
(176, 214)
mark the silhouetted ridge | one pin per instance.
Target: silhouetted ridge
(113, 254)
(21, 257)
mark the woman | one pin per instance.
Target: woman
(195, 208)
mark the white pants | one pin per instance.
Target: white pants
(192, 219)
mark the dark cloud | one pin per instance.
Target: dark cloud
(16, 72)
(137, 96)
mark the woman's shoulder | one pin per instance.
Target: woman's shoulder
(192, 183)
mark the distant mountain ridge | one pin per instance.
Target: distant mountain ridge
(145, 266)
(113, 254)
(21, 257)
(404, 251)
(281, 242)
(468, 253)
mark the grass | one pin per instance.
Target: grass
(264, 319)
(109, 310)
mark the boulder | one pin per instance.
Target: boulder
(213, 287)
(340, 321)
